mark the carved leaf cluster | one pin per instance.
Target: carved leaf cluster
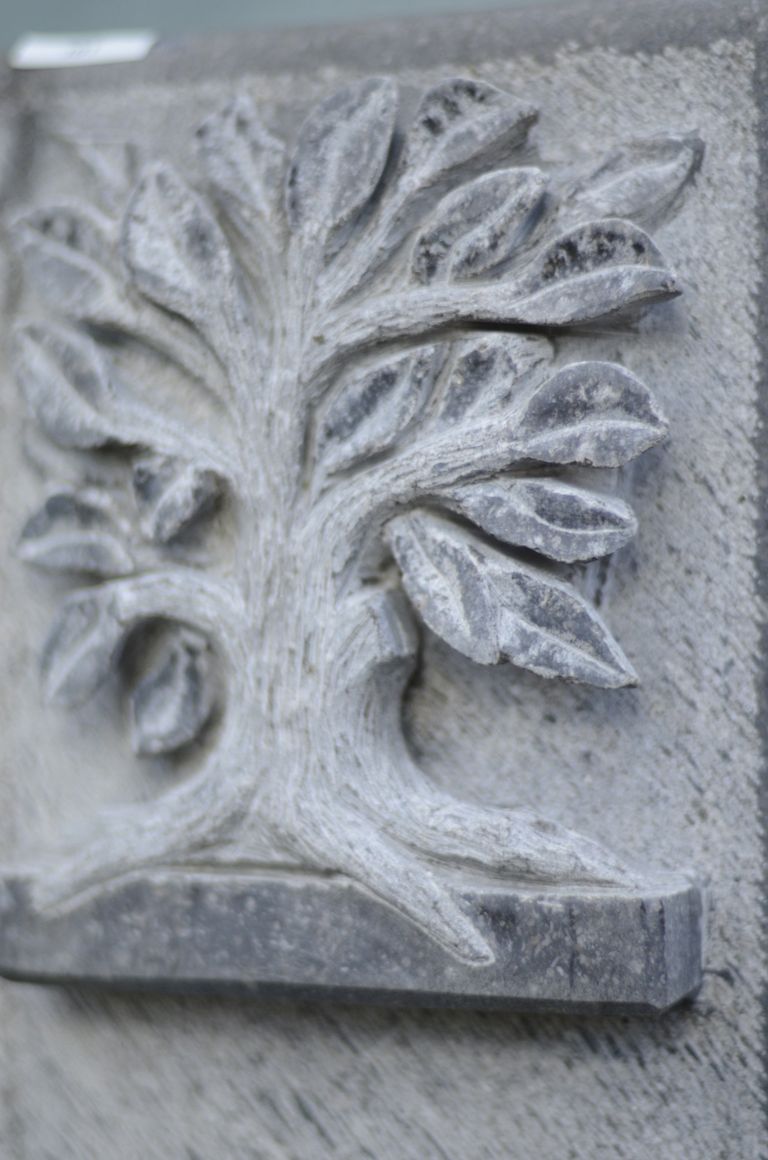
(74, 393)
(493, 608)
(595, 414)
(415, 257)
(589, 413)
(480, 409)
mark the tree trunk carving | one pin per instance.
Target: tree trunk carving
(389, 444)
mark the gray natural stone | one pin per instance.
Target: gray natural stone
(336, 458)
(664, 773)
(579, 949)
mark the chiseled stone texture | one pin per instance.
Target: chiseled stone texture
(666, 774)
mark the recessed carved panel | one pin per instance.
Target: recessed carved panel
(387, 441)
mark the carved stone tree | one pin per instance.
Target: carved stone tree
(386, 433)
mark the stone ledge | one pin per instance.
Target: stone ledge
(306, 937)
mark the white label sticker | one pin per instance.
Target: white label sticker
(71, 50)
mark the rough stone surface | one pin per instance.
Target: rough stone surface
(667, 774)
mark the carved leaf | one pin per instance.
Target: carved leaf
(340, 156)
(172, 495)
(66, 383)
(71, 533)
(458, 123)
(111, 167)
(241, 158)
(68, 254)
(480, 225)
(493, 608)
(561, 521)
(487, 370)
(597, 272)
(446, 583)
(396, 634)
(595, 413)
(375, 406)
(593, 271)
(642, 179)
(172, 704)
(175, 250)
(71, 257)
(81, 648)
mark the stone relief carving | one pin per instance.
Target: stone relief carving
(387, 437)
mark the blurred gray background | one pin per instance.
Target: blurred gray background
(173, 17)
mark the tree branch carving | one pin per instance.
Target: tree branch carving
(396, 428)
